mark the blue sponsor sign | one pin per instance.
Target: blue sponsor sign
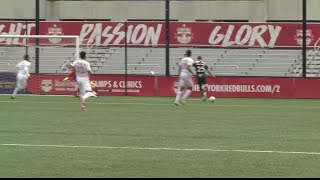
(7, 82)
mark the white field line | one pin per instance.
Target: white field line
(121, 97)
(159, 97)
(158, 148)
(162, 104)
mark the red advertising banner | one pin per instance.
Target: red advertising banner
(208, 34)
(114, 85)
(106, 85)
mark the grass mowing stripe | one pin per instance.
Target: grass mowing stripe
(159, 148)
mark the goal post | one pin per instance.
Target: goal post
(77, 40)
(55, 51)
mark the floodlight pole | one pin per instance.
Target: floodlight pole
(167, 37)
(126, 58)
(37, 33)
(304, 38)
(27, 30)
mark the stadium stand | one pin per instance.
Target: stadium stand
(225, 62)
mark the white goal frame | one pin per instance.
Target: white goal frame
(77, 38)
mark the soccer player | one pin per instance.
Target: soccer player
(22, 75)
(82, 70)
(185, 79)
(72, 77)
(201, 69)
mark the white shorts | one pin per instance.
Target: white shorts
(185, 80)
(21, 81)
(84, 85)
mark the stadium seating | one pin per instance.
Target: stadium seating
(224, 62)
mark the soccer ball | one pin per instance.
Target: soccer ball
(152, 73)
(212, 99)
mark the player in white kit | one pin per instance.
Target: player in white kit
(185, 79)
(83, 70)
(22, 75)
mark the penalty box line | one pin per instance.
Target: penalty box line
(159, 148)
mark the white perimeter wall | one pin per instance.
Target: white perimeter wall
(252, 10)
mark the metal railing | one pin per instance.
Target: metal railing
(6, 69)
(313, 54)
(146, 65)
(235, 66)
(226, 73)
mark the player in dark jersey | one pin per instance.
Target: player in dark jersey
(201, 69)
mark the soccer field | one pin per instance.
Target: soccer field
(45, 136)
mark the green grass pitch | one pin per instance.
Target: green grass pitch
(49, 136)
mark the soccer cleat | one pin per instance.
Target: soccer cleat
(204, 98)
(83, 108)
(95, 93)
(76, 94)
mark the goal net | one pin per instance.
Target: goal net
(47, 70)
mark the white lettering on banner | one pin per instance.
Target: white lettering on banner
(245, 39)
(131, 84)
(85, 30)
(226, 40)
(16, 29)
(258, 32)
(60, 89)
(103, 84)
(245, 34)
(58, 83)
(118, 84)
(134, 38)
(138, 34)
(274, 33)
(115, 84)
(242, 88)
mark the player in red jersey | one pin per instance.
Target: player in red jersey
(71, 76)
